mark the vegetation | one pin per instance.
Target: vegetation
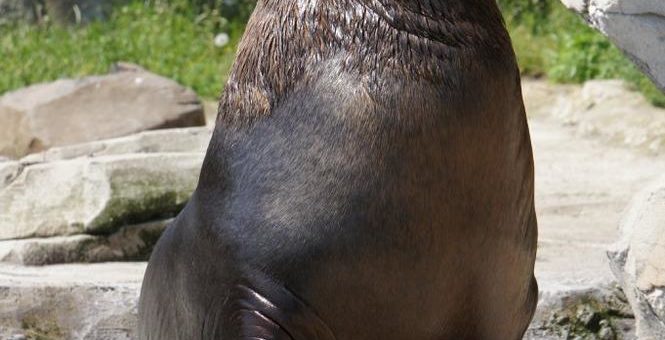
(175, 38)
(551, 41)
(171, 39)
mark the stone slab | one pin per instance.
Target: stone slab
(96, 195)
(130, 243)
(92, 301)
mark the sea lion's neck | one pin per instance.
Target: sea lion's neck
(285, 41)
(444, 21)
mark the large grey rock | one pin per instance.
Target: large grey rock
(70, 111)
(68, 190)
(131, 243)
(82, 302)
(96, 195)
(635, 26)
(638, 260)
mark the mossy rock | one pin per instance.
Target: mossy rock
(96, 195)
(41, 328)
(601, 313)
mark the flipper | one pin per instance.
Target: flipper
(264, 310)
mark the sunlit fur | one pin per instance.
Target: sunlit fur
(286, 40)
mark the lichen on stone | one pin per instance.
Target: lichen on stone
(38, 328)
(141, 198)
(588, 319)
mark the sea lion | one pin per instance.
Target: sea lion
(370, 177)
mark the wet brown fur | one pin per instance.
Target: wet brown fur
(285, 41)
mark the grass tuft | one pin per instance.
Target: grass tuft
(552, 41)
(164, 39)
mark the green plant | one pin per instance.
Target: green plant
(169, 40)
(550, 40)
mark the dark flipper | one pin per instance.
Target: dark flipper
(263, 309)
(255, 324)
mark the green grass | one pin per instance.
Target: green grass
(551, 41)
(171, 39)
(171, 42)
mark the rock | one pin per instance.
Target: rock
(605, 109)
(542, 98)
(583, 186)
(68, 190)
(594, 313)
(53, 250)
(97, 301)
(210, 110)
(123, 66)
(638, 260)
(17, 337)
(8, 171)
(131, 243)
(609, 110)
(70, 111)
(576, 5)
(96, 195)
(186, 140)
(635, 26)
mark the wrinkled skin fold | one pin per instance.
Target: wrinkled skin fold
(370, 177)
